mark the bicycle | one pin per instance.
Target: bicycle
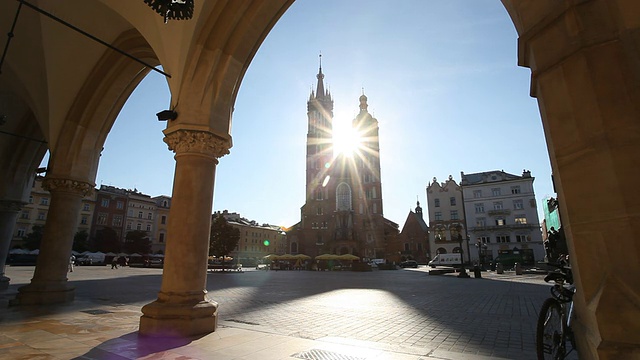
(553, 329)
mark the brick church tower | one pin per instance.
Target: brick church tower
(343, 212)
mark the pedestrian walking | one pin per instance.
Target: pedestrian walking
(114, 262)
(72, 260)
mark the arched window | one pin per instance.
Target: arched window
(343, 197)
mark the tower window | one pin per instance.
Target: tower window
(343, 197)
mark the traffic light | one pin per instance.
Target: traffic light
(266, 243)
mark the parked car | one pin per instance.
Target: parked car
(409, 264)
(153, 262)
(84, 260)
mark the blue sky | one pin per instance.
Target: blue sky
(441, 77)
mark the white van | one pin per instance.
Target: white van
(445, 259)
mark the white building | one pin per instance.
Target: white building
(446, 218)
(502, 215)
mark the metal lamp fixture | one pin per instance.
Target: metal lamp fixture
(172, 9)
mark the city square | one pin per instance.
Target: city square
(395, 314)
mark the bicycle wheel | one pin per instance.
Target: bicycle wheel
(549, 337)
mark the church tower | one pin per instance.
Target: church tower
(342, 213)
(319, 138)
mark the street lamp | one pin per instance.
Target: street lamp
(463, 271)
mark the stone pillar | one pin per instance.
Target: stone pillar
(585, 63)
(49, 284)
(8, 215)
(182, 308)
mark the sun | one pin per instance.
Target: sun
(346, 140)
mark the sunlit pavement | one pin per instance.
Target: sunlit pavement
(384, 314)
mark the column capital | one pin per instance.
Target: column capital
(197, 141)
(11, 205)
(67, 185)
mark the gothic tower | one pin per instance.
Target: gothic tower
(342, 213)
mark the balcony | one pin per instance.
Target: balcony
(499, 212)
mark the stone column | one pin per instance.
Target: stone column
(49, 284)
(182, 308)
(585, 65)
(9, 211)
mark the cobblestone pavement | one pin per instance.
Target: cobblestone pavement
(405, 310)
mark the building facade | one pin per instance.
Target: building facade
(413, 241)
(256, 241)
(343, 210)
(447, 225)
(36, 211)
(502, 215)
(159, 237)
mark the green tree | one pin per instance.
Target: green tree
(224, 238)
(137, 241)
(33, 239)
(107, 240)
(81, 241)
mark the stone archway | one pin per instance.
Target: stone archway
(583, 55)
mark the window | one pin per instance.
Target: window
(481, 222)
(503, 239)
(515, 189)
(30, 199)
(497, 205)
(419, 246)
(438, 215)
(500, 221)
(148, 227)
(21, 232)
(436, 202)
(150, 216)
(367, 178)
(24, 215)
(139, 214)
(406, 247)
(117, 220)
(128, 226)
(120, 205)
(161, 237)
(368, 194)
(454, 214)
(319, 240)
(343, 197)
(165, 203)
(495, 191)
(484, 239)
(521, 238)
(452, 201)
(139, 226)
(102, 219)
(439, 236)
(41, 215)
(130, 213)
(163, 219)
(375, 208)
(319, 211)
(479, 208)
(86, 207)
(518, 204)
(477, 194)
(44, 201)
(319, 194)
(521, 219)
(84, 220)
(105, 203)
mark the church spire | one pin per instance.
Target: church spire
(320, 90)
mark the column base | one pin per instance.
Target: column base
(44, 293)
(4, 283)
(164, 318)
